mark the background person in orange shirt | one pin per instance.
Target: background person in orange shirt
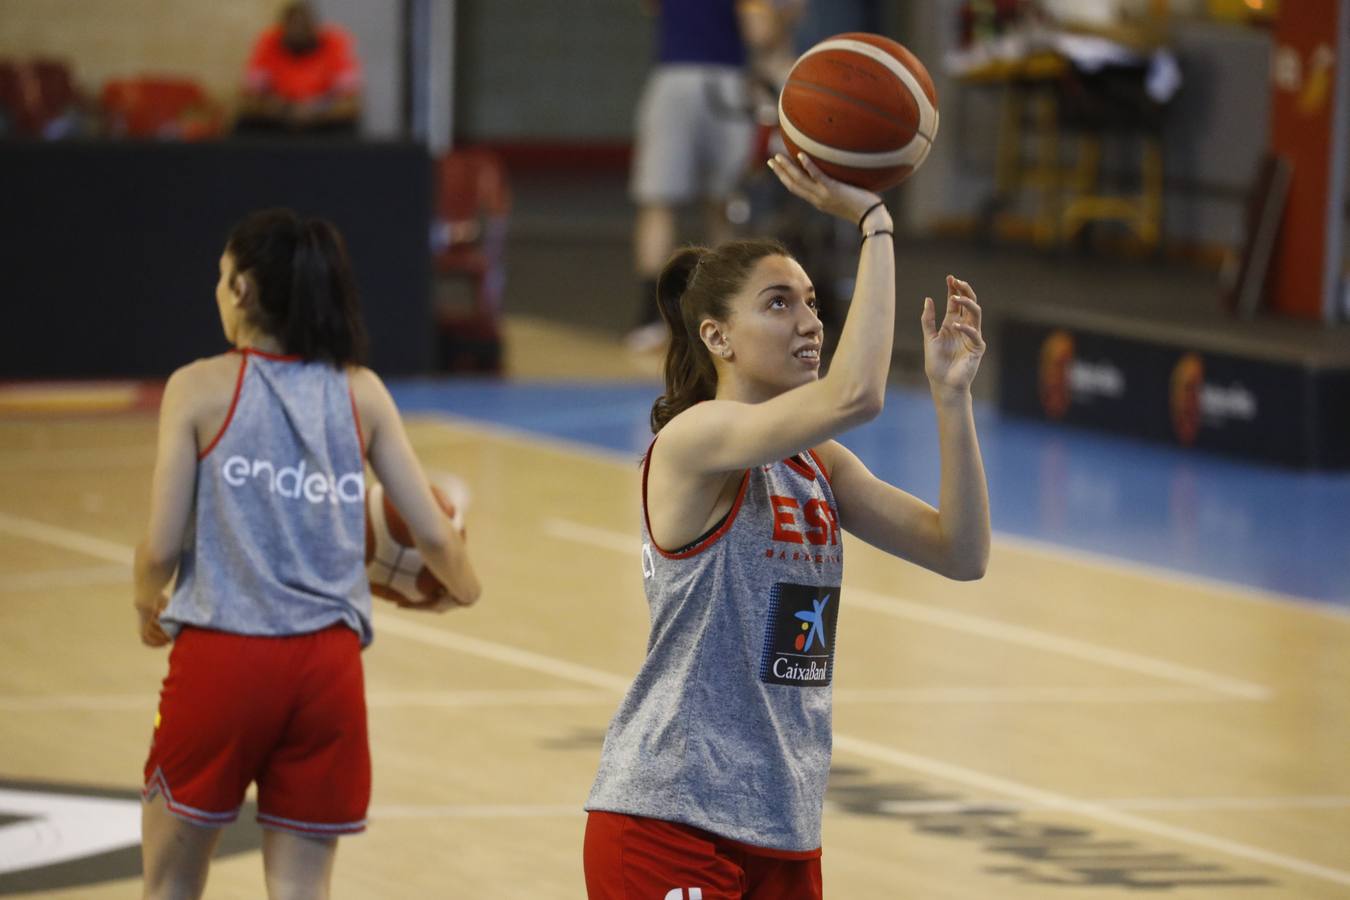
(303, 77)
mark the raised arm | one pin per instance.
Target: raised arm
(726, 435)
(952, 540)
(952, 354)
(396, 465)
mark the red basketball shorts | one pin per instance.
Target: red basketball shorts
(286, 712)
(630, 856)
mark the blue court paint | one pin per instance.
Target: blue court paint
(611, 417)
(1238, 522)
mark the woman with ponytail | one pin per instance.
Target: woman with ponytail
(258, 505)
(712, 777)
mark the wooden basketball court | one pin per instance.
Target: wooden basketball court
(1069, 727)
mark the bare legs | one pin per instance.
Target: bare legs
(653, 239)
(298, 868)
(176, 855)
(654, 233)
(654, 236)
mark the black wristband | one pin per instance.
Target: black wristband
(868, 234)
(868, 212)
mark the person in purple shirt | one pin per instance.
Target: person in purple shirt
(694, 130)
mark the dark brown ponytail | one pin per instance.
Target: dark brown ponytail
(306, 292)
(698, 283)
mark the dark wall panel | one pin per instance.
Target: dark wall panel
(1276, 408)
(110, 250)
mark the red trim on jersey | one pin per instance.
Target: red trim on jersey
(824, 472)
(706, 542)
(796, 464)
(229, 416)
(356, 414)
(279, 357)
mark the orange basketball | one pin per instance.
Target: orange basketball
(862, 107)
(393, 565)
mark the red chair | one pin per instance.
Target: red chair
(11, 96)
(472, 208)
(39, 98)
(55, 84)
(155, 107)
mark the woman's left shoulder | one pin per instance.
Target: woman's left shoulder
(365, 385)
(373, 403)
(203, 382)
(359, 374)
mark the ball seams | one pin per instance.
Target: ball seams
(876, 110)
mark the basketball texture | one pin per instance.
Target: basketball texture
(862, 107)
(393, 565)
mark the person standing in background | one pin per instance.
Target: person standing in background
(694, 130)
(270, 605)
(303, 77)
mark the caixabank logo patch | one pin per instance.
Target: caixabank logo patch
(799, 635)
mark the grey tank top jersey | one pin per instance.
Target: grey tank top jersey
(277, 545)
(727, 725)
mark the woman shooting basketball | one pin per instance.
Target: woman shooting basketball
(257, 503)
(712, 778)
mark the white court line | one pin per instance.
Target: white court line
(1157, 573)
(893, 807)
(596, 537)
(478, 811)
(1240, 804)
(375, 699)
(454, 699)
(1087, 809)
(79, 458)
(56, 579)
(30, 529)
(485, 698)
(1008, 696)
(1137, 804)
(856, 746)
(1052, 643)
(19, 703)
(970, 624)
(892, 606)
(531, 439)
(388, 623)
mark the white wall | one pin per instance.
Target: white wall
(200, 39)
(103, 39)
(378, 28)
